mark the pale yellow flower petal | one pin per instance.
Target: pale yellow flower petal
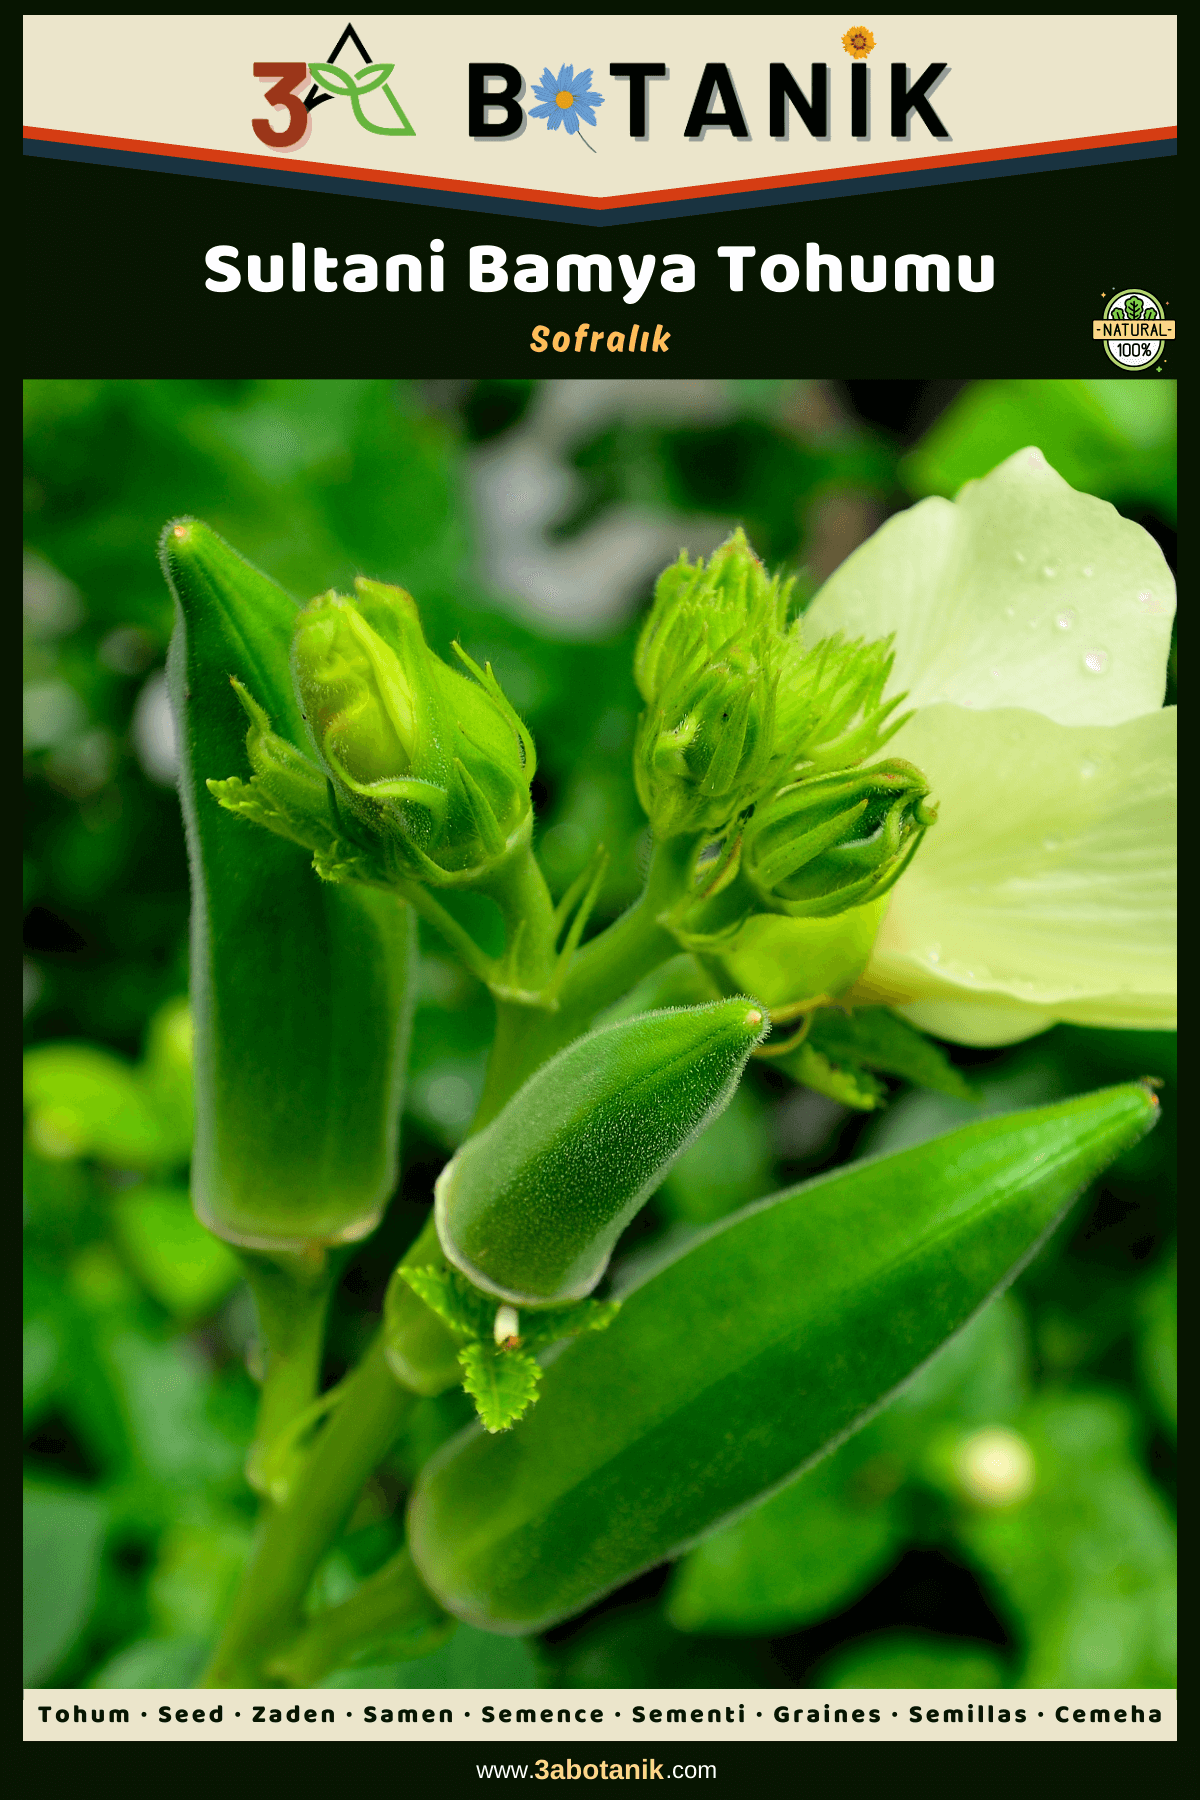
(1048, 881)
(987, 1024)
(1021, 592)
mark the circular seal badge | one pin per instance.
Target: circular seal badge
(1139, 346)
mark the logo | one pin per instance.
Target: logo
(331, 81)
(1133, 329)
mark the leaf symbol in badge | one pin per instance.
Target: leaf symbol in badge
(341, 83)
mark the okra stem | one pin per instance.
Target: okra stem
(296, 1535)
(291, 1294)
(602, 971)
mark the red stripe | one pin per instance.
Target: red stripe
(853, 172)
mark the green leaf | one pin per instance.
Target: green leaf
(468, 1312)
(64, 1535)
(1157, 1343)
(743, 1359)
(1086, 1561)
(502, 1383)
(84, 1101)
(848, 1085)
(1109, 447)
(185, 1268)
(871, 1037)
(547, 1325)
(301, 988)
(154, 1662)
(911, 1659)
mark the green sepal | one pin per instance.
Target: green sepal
(468, 1312)
(872, 1037)
(501, 1378)
(252, 800)
(844, 1082)
(840, 1049)
(503, 1383)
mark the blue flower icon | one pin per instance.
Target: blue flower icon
(566, 98)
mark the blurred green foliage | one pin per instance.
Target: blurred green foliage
(1007, 1519)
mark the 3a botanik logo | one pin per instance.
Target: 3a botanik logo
(498, 97)
(330, 80)
(1133, 329)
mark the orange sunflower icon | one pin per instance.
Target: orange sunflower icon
(858, 42)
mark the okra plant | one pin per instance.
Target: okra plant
(819, 903)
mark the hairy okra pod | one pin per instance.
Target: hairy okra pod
(531, 1208)
(301, 988)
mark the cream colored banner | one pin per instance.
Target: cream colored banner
(561, 1721)
(1010, 81)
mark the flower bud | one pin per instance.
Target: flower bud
(531, 1207)
(790, 961)
(707, 664)
(433, 765)
(707, 748)
(831, 710)
(287, 793)
(830, 842)
(699, 609)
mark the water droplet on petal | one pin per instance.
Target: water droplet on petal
(1096, 661)
(1049, 572)
(1051, 843)
(997, 674)
(934, 953)
(1089, 571)
(1010, 612)
(1088, 768)
(1066, 618)
(1017, 557)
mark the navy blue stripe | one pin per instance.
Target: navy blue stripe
(285, 176)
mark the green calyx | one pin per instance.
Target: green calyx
(708, 665)
(531, 1208)
(816, 848)
(734, 700)
(431, 769)
(830, 842)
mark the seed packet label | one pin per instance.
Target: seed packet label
(631, 1724)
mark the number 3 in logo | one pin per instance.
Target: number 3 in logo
(282, 94)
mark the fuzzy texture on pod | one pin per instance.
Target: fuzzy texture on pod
(746, 1356)
(531, 1208)
(301, 991)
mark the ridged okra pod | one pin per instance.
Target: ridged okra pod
(301, 988)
